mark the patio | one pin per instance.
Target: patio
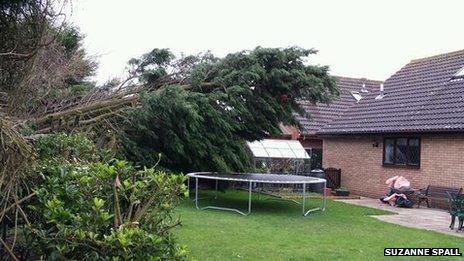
(423, 218)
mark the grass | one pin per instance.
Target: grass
(276, 230)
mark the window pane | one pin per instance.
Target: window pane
(259, 152)
(401, 150)
(287, 153)
(388, 151)
(273, 153)
(316, 159)
(301, 154)
(413, 152)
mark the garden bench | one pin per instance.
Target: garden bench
(436, 192)
(456, 210)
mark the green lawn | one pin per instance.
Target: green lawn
(276, 230)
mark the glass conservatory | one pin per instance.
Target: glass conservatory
(279, 156)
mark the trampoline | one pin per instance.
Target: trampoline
(257, 178)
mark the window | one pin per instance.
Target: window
(285, 149)
(356, 96)
(316, 159)
(401, 151)
(459, 74)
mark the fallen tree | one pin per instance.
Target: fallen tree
(196, 111)
(16, 159)
(280, 74)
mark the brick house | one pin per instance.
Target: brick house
(351, 89)
(413, 128)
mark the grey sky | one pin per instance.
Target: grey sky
(357, 38)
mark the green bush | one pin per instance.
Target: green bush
(87, 209)
(65, 147)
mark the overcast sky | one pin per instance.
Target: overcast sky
(356, 38)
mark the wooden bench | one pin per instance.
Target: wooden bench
(436, 192)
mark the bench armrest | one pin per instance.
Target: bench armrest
(423, 191)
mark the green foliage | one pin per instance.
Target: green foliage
(80, 89)
(203, 124)
(41, 56)
(151, 66)
(188, 129)
(70, 38)
(73, 89)
(27, 129)
(64, 147)
(88, 209)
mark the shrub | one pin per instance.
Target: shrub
(87, 209)
(67, 147)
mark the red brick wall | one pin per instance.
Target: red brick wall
(311, 143)
(442, 163)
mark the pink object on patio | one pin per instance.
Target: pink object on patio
(398, 182)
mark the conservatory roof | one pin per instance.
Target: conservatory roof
(283, 149)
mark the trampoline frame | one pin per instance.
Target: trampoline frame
(217, 176)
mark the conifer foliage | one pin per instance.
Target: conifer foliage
(201, 121)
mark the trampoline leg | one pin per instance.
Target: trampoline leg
(249, 199)
(324, 200)
(257, 189)
(322, 207)
(188, 187)
(223, 208)
(216, 190)
(196, 193)
(304, 199)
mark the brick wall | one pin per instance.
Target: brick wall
(311, 143)
(442, 163)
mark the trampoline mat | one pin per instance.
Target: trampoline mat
(258, 178)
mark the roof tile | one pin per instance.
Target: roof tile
(420, 97)
(321, 114)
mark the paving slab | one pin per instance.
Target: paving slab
(424, 218)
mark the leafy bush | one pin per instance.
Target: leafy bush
(65, 147)
(87, 209)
